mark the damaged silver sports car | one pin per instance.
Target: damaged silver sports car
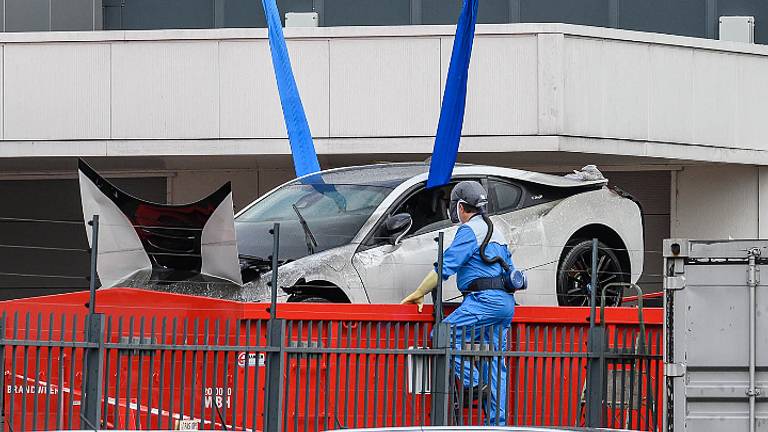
(367, 235)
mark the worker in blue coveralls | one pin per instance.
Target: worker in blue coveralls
(489, 304)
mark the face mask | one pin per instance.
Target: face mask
(453, 211)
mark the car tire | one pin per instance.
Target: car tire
(575, 272)
(307, 298)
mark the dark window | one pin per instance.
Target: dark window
(505, 196)
(248, 13)
(680, 17)
(586, 12)
(447, 11)
(366, 12)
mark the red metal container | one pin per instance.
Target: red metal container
(185, 375)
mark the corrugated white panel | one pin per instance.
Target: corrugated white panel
(56, 91)
(626, 89)
(671, 94)
(606, 88)
(385, 87)
(751, 124)
(250, 105)
(165, 90)
(715, 98)
(502, 87)
(583, 99)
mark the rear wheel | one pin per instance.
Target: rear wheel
(574, 275)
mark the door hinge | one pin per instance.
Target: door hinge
(674, 370)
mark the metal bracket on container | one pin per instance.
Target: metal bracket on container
(753, 392)
(753, 278)
(674, 283)
(674, 370)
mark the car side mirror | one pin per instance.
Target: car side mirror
(397, 227)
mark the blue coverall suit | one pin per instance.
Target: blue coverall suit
(489, 311)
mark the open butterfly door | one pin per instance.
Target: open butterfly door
(146, 244)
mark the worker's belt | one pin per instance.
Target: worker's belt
(484, 284)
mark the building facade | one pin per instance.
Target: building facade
(172, 114)
(695, 18)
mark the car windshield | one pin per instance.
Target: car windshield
(312, 217)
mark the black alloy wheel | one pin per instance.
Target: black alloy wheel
(574, 275)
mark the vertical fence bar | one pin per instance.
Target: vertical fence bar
(94, 223)
(275, 231)
(14, 335)
(151, 372)
(140, 378)
(36, 388)
(274, 376)
(172, 392)
(597, 342)
(2, 374)
(25, 381)
(439, 290)
(48, 371)
(60, 399)
(94, 371)
(441, 371)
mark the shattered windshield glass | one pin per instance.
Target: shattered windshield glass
(312, 217)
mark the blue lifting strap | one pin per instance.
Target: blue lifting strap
(299, 135)
(454, 99)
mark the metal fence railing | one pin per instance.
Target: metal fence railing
(180, 362)
(317, 374)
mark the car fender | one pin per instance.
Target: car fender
(601, 207)
(333, 265)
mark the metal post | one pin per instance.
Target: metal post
(596, 346)
(94, 223)
(438, 298)
(273, 398)
(442, 373)
(753, 280)
(593, 285)
(93, 373)
(2, 372)
(275, 231)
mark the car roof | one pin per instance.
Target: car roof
(394, 174)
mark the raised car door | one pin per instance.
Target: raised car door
(392, 270)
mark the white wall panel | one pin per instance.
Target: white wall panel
(250, 105)
(502, 86)
(385, 87)
(583, 98)
(715, 97)
(56, 91)
(626, 89)
(165, 90)
(671, 94)
(751, 112)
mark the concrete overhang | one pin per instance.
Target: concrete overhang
(538, 89)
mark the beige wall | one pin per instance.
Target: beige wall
(717, 202)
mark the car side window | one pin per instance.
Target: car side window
(428, 209)
(505, 196)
